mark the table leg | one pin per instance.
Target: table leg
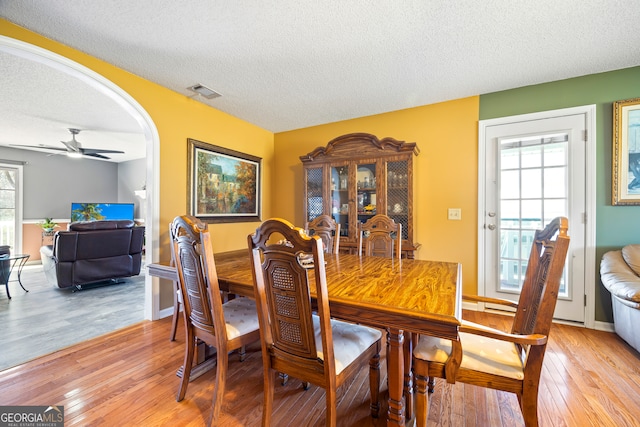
(21, 264)
(395, 361)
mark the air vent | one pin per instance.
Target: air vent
(204, 91)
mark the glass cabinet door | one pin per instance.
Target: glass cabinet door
(366, 195)
(398, 194)
(314, 193)
(339, 191)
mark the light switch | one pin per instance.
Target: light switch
(455, 213)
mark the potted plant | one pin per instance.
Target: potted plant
(48, 225)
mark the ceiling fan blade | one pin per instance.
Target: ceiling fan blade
(99, 156)
(70, 146)
(88, 151)
(60, 153)
(42, 146)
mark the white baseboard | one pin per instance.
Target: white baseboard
(604, 326)
(165, 312)
(598, 326)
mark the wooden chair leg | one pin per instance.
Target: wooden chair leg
(374, 385)
(242, 351)
(331, 410)
(422, 400)
(176, 312)
(529, 406)
(284, 378)
(267, 406)
(222, 362)
(187, 364)
(409, 340)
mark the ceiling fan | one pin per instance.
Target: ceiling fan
(74, 148)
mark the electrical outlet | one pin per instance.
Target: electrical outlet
(455, 213)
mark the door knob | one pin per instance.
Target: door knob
(491, 227)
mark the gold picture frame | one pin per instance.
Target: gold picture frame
(625, 188)
(224, 184)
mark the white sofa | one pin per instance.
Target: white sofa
(620, 273)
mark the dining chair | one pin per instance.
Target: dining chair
(380, 236)
(226, 326)
(491, 358)
(327, 229)
(296, 341)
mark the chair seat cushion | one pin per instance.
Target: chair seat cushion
(478, 354)
(241, 317)
(349, 341)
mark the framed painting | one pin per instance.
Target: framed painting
(626, 152)
(224, 184)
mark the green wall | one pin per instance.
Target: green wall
(615, 225)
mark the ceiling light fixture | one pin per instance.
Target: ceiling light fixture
(204, 91)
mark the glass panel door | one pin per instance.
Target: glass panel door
(340, 197)
(366, 197)
(535, 171)
(398, 194)
(533, 191)
(314, 193)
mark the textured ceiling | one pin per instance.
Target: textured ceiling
(38, 104)
(291, 64)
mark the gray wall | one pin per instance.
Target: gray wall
(52, 183)
(132, 176)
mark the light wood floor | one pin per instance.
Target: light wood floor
(127, 378)
(48, 318)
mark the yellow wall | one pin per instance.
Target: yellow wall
(177, 117)
(446, 174)
(445, 170)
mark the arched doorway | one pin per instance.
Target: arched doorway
(89, 77)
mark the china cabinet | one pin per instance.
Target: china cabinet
(357, 176)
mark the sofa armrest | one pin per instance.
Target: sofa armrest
(618, 277)
(49, 264)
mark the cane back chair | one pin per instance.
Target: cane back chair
(229, 326)
(295, 341)
(380, 236)
(328, 230)
(491, 358)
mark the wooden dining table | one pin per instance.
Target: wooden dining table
(405, 297)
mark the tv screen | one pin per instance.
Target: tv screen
(101, 211)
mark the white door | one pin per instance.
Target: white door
(535, 170)
(11, 206)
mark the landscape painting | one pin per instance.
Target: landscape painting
(224, 185)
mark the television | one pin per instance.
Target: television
(101, 211)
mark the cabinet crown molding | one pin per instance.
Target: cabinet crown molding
(367, 144)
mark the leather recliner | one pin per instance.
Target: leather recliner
(620, 274)
(92, 252)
